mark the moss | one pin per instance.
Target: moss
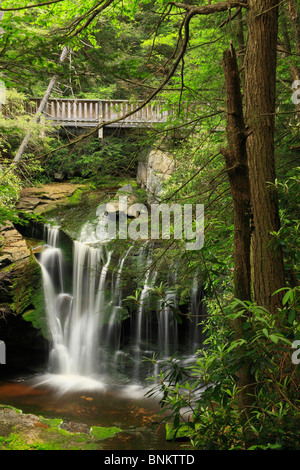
(46, 434)
(100, 432)
(28, 296)
(13, 442)
(115, 182)
(48, 439)
(17, 410)
(76, 196)
(51, 422)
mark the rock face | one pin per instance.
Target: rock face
(14, 255)
(21, 299)
(38, 200)
(130, 206)
(13, 247)
(153, 171)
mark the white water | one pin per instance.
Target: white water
(73, 318)
(87, 350)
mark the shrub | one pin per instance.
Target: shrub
(204, 399)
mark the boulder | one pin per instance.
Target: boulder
(153, 171)
(161, 162)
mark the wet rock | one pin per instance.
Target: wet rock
(14, 256)
(41, 199)
(130, 206)
(13, 246)
(161, 162)
(71, 426)
(153, 171)
(20, 431)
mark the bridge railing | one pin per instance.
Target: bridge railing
(81, 112)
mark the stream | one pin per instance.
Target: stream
(125, 408)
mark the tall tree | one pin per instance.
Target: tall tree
(260, 79)
(237, 169)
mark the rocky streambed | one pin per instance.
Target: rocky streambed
(20, 431)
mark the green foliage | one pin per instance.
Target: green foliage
(204, 399)
(10, 186)
(15, 123)
(288, 235)
(94, 160)
(125, 53)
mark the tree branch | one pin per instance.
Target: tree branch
(183, 38)
(184, 41)
(94, 12)
(209, 9)
(50, 2)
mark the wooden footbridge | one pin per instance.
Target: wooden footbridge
(90, 113)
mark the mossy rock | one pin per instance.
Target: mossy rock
(20, 431)
(101, 432)
(28, 296)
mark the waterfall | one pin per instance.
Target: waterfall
(114, 324)
(92, 342)
(197, 312)
(167, 325)
(73, 318)
(141, 331)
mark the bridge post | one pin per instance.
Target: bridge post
(100, 131)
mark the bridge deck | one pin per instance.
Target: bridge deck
(89, 113)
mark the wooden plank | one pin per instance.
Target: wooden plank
(90, 111)
(63, 110)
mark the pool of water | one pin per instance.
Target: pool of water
(125, 407)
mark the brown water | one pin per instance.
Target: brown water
(136, 415)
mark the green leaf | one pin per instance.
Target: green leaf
(265, 332)
(274, 338)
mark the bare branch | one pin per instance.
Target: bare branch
(209, 9)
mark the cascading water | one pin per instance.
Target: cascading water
(73, 318)
(92, 344)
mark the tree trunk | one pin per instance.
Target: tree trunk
(260, 74)
(241, 44)
(40, 110)
(237, 170)
(293, 12)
